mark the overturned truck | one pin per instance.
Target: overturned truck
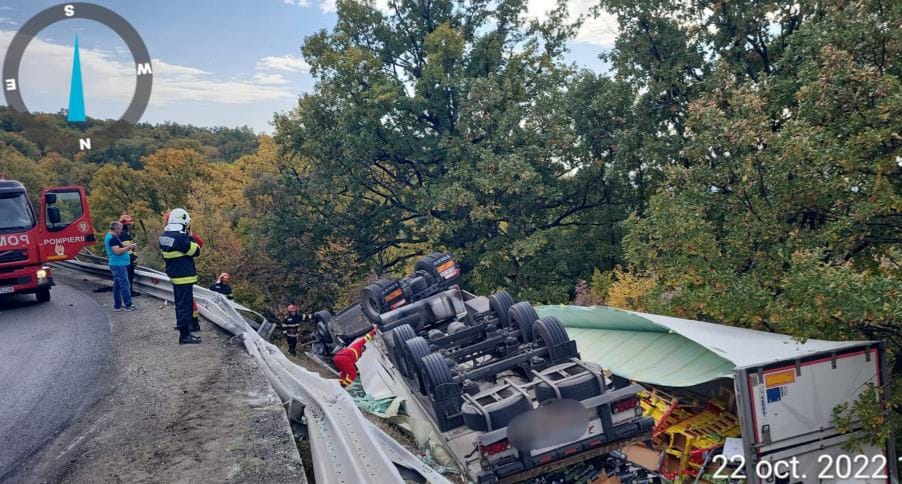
(505, 388)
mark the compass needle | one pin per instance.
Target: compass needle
(76, 92)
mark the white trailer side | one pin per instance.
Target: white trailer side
(786, 413)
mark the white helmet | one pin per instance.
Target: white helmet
(179, 216)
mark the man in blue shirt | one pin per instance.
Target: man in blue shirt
(119, 262)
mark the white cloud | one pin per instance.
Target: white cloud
(601, 30)
(46, 70)
(7, 20)
(262, 78)
(287, 63)
(299, 3)
(328, 6)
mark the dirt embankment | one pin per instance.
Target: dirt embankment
(171, 413)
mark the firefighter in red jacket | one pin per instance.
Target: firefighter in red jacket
(346, 358)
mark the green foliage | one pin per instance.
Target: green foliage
(450, 126)
(117, 142)
(785, 215)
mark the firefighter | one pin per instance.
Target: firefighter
(345, 359)
(179, 248)
(222, 285)
(126, 236)
(291, 326)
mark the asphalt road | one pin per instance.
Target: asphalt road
(53, 361)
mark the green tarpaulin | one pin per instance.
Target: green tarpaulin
(663, 350)
(638, 349)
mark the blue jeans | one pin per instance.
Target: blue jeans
(122, 291)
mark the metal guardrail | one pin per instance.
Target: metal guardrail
(346, 447)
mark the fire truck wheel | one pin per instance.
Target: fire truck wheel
(500, 303)
(435, 371)
(522, 316)
(371, 300)
(414, 350)
(43, 294)
(401, 334)
(500, 412)
(578, 387)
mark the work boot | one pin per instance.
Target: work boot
(189, 339)
(293, 352)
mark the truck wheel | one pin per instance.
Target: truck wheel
(500, 412)
(500, 303)
(388, 338)
(321, 331)
(401, 334)
(435, 371)
(522, 316)
(549, 332)
(578, 386)
(414, 350)
(371, 299)
(427, 265)
(43, 294)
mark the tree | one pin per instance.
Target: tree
(444, 126)
(787, 215)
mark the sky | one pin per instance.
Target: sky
(215, 62)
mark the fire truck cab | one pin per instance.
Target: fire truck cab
(29, 240)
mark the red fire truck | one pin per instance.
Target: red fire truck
(29, 241)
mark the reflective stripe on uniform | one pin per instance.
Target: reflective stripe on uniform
(173, 254)
(356, 354)
(179, 281)
(192, 249)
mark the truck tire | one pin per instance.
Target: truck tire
(43, 294)
(500, 303)
(388, 338)
(371, 299)
(578, 387)
(427, 265)
(401, 334)
(321, 327)
(435, 371)
(522, 316)
(414, 350)
(500, 412)
(549, 332)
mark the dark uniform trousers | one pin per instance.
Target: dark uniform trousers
(184, 307)
(179, 251)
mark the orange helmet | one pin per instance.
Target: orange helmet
(126, 219)
(225, 277)
(292, 308)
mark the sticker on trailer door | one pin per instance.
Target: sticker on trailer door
(775, 394)
(779, 378)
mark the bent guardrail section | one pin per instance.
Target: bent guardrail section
(346, 447)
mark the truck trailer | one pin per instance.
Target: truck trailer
(782, 391)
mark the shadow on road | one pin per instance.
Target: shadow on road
(16, 301)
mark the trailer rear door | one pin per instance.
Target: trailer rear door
(787, 414)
